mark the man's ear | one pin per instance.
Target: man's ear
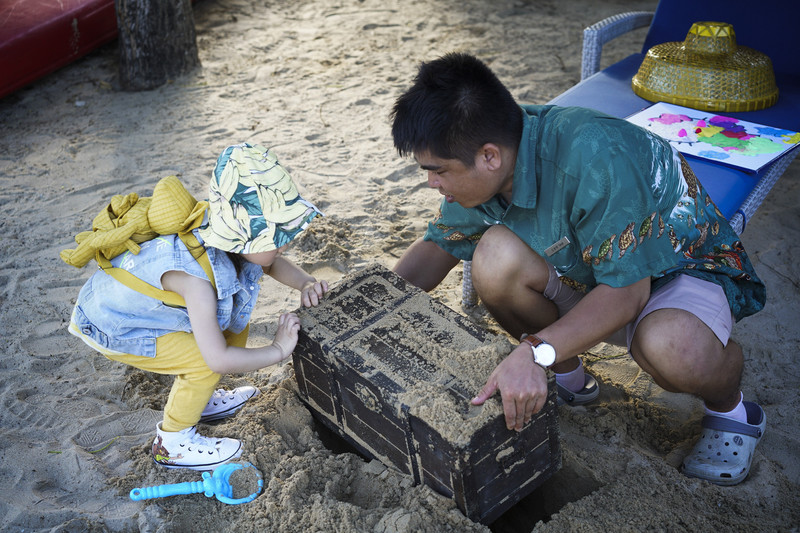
(490, 157)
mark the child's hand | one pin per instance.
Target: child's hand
(312, 292)
(286, 337)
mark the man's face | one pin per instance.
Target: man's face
(457, 183)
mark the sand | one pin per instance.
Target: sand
(315, 80)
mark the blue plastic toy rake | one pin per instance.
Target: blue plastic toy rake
(217, 485)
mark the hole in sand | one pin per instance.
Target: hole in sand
(571, 483)
(332, 441)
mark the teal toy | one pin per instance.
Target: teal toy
(216, 484)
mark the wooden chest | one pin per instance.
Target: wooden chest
(392, 371)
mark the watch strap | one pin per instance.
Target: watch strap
(532, 340)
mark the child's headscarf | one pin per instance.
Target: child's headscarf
(253, 204)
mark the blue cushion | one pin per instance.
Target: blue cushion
(610, 91)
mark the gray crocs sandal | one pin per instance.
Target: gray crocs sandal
(725, 450)
(589, 393)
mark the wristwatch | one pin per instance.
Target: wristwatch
(543, 353)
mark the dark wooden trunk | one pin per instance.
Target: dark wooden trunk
(360, 399)
(157, 42)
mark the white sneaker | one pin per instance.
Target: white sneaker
(225, 403)
(188, 449)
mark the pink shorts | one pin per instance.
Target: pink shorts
(703, 299)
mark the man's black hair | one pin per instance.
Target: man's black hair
(455, 106)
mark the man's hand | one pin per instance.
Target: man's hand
(522, 384)
(312, 292)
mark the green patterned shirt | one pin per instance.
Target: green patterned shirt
(605, 201)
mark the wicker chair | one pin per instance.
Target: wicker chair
(767, 29)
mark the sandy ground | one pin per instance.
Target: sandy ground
(315, 80)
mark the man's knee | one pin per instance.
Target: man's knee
(487, 267)
(682, 353)
(503, 261)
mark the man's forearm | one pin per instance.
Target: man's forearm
(603, 311)
(424, 264)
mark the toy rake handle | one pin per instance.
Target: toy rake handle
(161, 491)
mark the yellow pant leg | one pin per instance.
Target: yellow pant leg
(178, 354)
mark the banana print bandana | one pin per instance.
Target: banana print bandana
(254, 205)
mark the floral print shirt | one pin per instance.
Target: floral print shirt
(607, 202)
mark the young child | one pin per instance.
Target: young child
(254, 212)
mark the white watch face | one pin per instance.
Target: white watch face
(544, 354)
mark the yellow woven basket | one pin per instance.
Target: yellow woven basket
(707, 71)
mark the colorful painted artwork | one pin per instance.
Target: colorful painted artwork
(730, 141)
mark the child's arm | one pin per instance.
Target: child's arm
(286, 272)
(201, 304)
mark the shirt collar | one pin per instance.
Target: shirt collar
(524, 187)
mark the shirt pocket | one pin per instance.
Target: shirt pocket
(563, 254)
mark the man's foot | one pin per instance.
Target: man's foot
(589, 392)
(188, 449)
(225, 403)
(724, 453)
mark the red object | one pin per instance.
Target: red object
(38, 37)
